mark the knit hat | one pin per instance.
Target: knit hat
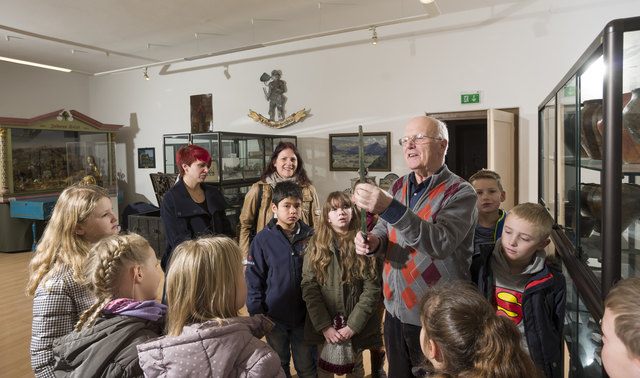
(337, 358)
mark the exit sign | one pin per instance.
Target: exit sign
(470, 98)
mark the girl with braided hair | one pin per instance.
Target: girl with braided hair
(462, 336)
(82, 216)
(124, 274)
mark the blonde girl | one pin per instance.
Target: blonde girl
(337, 281)
(123, 273)
(462, 336)
(205, 337)
(82, 216)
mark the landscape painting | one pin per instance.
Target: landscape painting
(343, 150)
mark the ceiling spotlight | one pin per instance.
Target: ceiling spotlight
(226, 72)
(427, 1)
(144, 74)
(374, 35)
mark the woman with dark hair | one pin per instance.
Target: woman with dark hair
(191, 208)
(285, 165)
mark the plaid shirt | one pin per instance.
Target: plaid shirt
(57, 305)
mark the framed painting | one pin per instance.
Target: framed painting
(201, 113)
(343, 152)
(147, 157)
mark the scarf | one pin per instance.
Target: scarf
(149, 310)
(275, 178)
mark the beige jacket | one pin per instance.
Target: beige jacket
(310, 211)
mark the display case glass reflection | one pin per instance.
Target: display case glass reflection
(50, 160)
(172, 143)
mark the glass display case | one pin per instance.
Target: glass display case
(45, 154)
(237, 161)
(589, 158)
(41, 156)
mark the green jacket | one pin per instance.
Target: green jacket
(326, 301)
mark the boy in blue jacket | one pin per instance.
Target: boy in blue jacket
(517, 279)
(274, 273)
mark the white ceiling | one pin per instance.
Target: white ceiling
(97, 36)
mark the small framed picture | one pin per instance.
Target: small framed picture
(147, 157)
(343, 151)
(201, 113)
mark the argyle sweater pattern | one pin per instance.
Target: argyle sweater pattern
(430, 243)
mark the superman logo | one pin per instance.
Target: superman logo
(508, 303)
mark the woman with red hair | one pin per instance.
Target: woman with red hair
(191, 208)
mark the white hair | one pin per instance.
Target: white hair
(443, 133)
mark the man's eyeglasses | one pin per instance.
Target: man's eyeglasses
(417, 139)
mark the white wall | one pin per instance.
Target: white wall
(513, 54)
(27, 92)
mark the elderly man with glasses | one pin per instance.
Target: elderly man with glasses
(424, 233)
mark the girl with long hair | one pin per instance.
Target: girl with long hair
(124, 274)
(81, 217)
(337, 283)
(205, 336)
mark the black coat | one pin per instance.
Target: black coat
(106, 349)
(543, 309)
(183, 219)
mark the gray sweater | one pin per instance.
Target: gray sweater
(431, 242)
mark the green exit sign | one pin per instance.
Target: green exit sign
(470, 98)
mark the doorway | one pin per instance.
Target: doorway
(484, 139)
(467, 147)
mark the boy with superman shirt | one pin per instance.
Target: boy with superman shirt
(515, 276)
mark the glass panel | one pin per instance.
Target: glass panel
(231, 168)
(209, 142)
(591, 86)
(41, 161)
(548, 154)
(630, 153)
(569, 151)
(89, 162)
(235, 197)
(172, 143)
(582, 335)
(254, 155)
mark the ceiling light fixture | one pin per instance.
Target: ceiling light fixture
(226, 72)
(427, 1)
(28, 63)
(374, 35)
(144, 73)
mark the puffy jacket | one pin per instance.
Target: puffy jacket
(106, 349)
(217, 348)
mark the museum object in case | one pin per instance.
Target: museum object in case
(237, 161)
(41, 156)
(589, 159)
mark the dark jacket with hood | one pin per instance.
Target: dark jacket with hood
(543, 307)
(106, 349)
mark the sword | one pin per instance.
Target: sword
(363, 173)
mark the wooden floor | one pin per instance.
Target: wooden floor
(15, 317)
